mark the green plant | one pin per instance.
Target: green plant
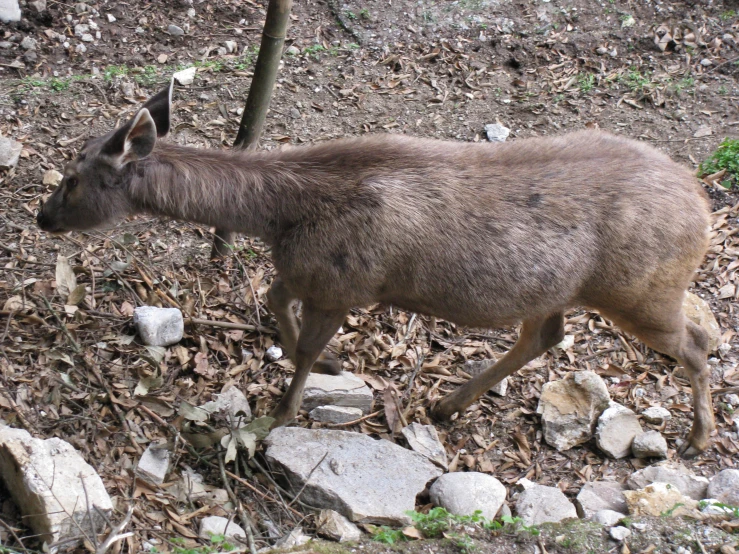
(730, 14)
(722, 90)
(114, 71)
(58, 85)
(364, 13)
(388, 535)
(314, 50)
(635, 81)
(728, 508)
(668, 513)
(464, 542)
(351, 15)
(218, 543)
(725, 157)
(586, 82)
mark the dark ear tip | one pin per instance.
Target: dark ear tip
(159, 106)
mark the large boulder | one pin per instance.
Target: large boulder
(672, 473)
(601, 495)
(724, 487)
(464, 493)
(539, 504)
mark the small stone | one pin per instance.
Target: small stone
(154, 464)
(80, 48)
(619, 533)
(601, 51)
(649, 445)
(600, 495)
(334, 526)
(570, 408)
(463, 493)
(714, 507)
(111, 18)
(724, 487)
(705, 62)
(656, 415)
(215, 525)
(186, 76)
(81, 29)
(539, 504)
(191, 13)
(30, 56)
(28, 43)
(294, 113)
(617, 427)
(496, 132)
(344, 389)
(424, 439)
(81, 8)
(127, 89)
(732, 399)
(672, 473)
(608, 517)
(5, 45)
(699, 312)
(294, 538)
(162, 58)
(87, 37)
(9, 11)
(659, 499)
(10, 152)
(175, 31)
(704, 131)
(273, 353)
(159, 326)
(52, 177)
(335, 414)
(231, 46)
(292, 50)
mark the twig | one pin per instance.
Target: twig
(245, 520)
(596, 354)
(228, 325)
(15, 536)
(315, 467)
(715, 67)
(361, 419)
(115, 533)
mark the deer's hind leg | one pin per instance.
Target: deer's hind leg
(537, 336)
(663, 327)
(282, 304)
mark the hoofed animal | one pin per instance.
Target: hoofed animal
(482, 235)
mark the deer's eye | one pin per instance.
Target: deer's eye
(71, 183)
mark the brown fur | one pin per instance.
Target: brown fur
(479, 234)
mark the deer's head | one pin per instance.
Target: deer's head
(93, 191)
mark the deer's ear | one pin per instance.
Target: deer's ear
(159, 107)
(134, 141)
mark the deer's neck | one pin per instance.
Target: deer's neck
(247, 192)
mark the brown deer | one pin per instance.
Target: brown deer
(481, 235)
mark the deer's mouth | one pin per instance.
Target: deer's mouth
(48, 226)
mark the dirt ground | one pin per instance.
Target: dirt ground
(660, 71)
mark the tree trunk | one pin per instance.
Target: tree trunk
(260, 93)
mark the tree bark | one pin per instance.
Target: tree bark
(260, 94)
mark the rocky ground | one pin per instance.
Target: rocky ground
(71, 366)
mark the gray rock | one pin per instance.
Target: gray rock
(81, 29)
(81, 7)
(80, 48)
(273, 353)
(9, 11)
(619, 533)
(732, 399)
(52, 485)
(214, 525)
(154, 464)
(10, 152)
(424, 439)
(335, 414)
(464, 493)
(570, 408)
(617, 427)
(366, 480)
(30, 56)
(159, 326)
(231, 46)
(649, 445)
(699, 312)
(294, 538)
(175, 31)
(87, 37)
(724, 487)
(28, 43)
(656, 415)
(6, 45)
(600, 495)
(111, 18)
(539, 504)
(607, 517)
(186, 76)
(714, 507)
(344, 389)
(672, 473)
(233, 404)
(334, 526)
(292, 50)
(496, 132)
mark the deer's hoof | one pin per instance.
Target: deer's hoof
(327, 364)
(692, 447)
(442, 411)
(281, 417)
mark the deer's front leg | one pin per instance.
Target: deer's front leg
(282, 304)
(318, 328)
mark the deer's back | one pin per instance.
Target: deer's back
(483, 234)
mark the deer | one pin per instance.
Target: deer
(483, 235)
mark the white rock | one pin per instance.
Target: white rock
(52, 177)
(600, 495)
(231, 46)
(714, 507)
(87, 37)
(111, 18)
(724, 487)
(154, 465)
(570, 408)
(186, 76)
(81, 29)
(540, 504)
(215, 525)
(424, 439)
(9, 11)
(656, 415)
(607, 517)
(335, 414)
(463, 493)
(617, 427)
(80, 48)
(699, 312)
(659, 499)
(38, 5)
(294, 538)
(333, 525)
(159, 326)
(52, 485)
(366, 480)
(672, 473)
(344, 389)
(619, 533)
(496, 132)
(292, 50)
(10, 152)
(649, 445)
(273, 353)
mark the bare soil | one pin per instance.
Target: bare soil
(436, 69)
